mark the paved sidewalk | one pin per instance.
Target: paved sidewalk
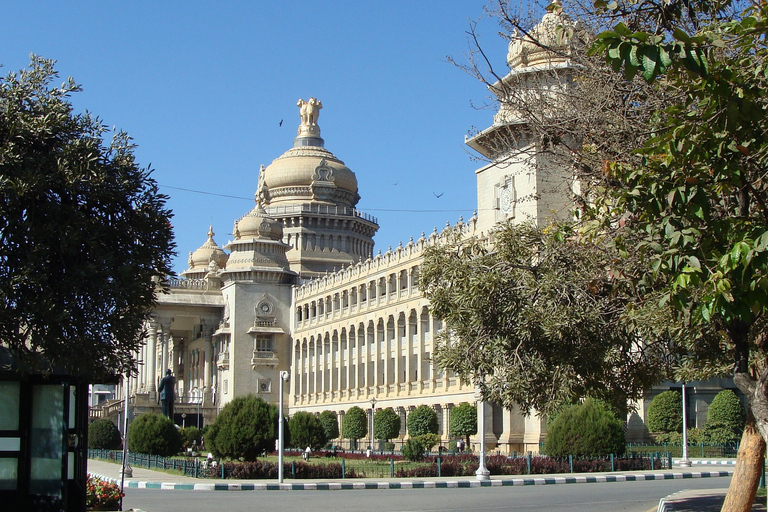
(701, 501)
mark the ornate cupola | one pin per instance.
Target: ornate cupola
(257, 252)
(521, 180)
(207, 257)
(314, 194)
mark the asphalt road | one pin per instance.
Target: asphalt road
(597, 497)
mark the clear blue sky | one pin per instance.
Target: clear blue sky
(202, 87)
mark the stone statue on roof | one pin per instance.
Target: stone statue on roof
(309, 111)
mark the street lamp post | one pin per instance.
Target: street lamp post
(373, 404)
(482, 472)
(284, 376)
(684, 462)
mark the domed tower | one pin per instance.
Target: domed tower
(524, 180)
(206, 258)
(314, 195)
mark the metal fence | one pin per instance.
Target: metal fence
(327, 465)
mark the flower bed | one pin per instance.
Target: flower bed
(101, 495)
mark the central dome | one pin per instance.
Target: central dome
(308, 173)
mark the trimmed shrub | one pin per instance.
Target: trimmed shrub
(190, 437)
(306, 430)
(330, 424)
(585, 430)
(464, 421)
(355, 424)
(103, 434)
(665, 412)
(386, 424)
(413, 449)
(422, 420)
(726, 410)
(154, 434)
(429, 441)
(245, 428)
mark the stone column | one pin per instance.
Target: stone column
(342, 357)
(376, 355)
(151, 359)
(396, 349)
(208, 364)
(316, 378)
(447, 421)
(166, 335)
(293, 385)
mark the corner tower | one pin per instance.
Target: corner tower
(314, 195)
(526, 178)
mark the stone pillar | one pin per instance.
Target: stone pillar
(208, 364)
(353, 347)
(322, 353)
(377, 357)
(293, 385)
(151, 359)
(396, 356)
(342, 361)
(316, 369)
(165, 340)
(447, 421)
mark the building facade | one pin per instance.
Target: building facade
(299, 289)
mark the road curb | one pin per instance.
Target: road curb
(419, 484)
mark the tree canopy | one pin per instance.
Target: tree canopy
(422, 420)
(330, 424)
(538, 318)
(306, 429)
(464, 421)
(355, 423)
(245, 428)
(84, 233)
(386, 424)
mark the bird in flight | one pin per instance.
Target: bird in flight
(439, 195)
(280, 123)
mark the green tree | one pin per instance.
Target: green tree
(191, 437)
(245, 428)
(386, 424)
(84, 233)
(154, 434)
(330, 424)
(422, 420)
(542, 319)
(699, 196)
(463, 421)
(103, 434)
(306, 430)
(355, 424)
(665, 412)
(727, 411)
(588, 429)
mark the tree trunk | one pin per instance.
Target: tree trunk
(746, 475)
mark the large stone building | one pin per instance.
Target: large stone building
(298, 289)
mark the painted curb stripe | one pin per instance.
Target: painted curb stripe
(418, 484)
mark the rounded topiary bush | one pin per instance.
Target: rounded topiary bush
(422, 420)
(665, 412)
(245, 428)
(355, 424)
(330, 424)
(154, 434)
(103, 434)
(589, 429)
(726, 411)
(306, 429)
(191, 437)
